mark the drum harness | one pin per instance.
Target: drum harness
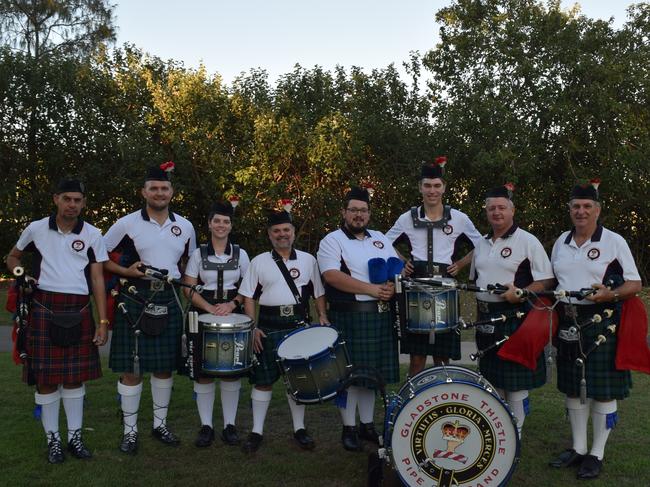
(429, 226)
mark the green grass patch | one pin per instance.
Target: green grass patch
(279, 461)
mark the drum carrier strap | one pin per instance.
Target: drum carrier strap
(429, 226)
(292, 285)
(231, 265)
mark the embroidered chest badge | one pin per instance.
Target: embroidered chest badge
(506, 252)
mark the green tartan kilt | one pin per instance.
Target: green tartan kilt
(447, 344)
(507, 375)
(604, 382)
(157, 353)
(371, 340)
(267, 371)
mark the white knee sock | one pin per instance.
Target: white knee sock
(73, 404)
(297, 413)
(349, 412)
(229, 400)
(366, 405)
(578, 416)
(602, 425)
(205, 401)
(161, 393)
(261, 401)
(50, 404)
(516, 400)
(130, 403)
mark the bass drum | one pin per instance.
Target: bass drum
(447, 426)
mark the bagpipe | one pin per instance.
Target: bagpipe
(19, 300)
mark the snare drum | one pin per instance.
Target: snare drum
(447, 426)
(314, 362)
(431, 308)
(226, 344)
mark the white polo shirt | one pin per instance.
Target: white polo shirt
(516, 257)
(340, 250)
(605, 254)
(209, 278)
(264, 282)
(446, 240)
(62, 260)
(162, 246)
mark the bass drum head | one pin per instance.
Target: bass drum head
(454, 434)
(307, 342)
(437, 375)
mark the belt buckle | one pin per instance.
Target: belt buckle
(286, 310)
(383, 306)
(570, 311)
(157, 286)
(483, 306)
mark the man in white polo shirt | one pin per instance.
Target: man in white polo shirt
(509, 256)
(590, 255)
(68, 255)
(279, 314)
(160, 238)
(360, 309)
(435, 234)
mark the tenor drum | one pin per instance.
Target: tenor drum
(431, 308)
(448, 427)
(226, 344)
(314, 362)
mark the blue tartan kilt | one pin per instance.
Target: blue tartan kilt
(371, 341)
(604, 382)
(504, 374)
(161, 353)
(48, 363)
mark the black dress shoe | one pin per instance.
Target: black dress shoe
(205, 436)
(368, 432)
(568, 458)
(350, 438)
(252, 443)
(129, 444)
(54, 449)
(590, 468)
(77, 448)
(229, 435)
(305, 441)
(162, 434)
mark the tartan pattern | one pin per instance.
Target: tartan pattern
(604, 382)
(507, 375)
(447, 345)
(49, 364)
(371, 340)
(267, 371)
(157, 353)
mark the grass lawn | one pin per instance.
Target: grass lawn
(278, 462)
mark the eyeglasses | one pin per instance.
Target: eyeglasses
(358, 211)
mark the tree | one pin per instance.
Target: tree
(43, 27)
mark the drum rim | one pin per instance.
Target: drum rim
(248, 320)
(302, 329)
(388, 439)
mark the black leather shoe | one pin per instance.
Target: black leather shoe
(129, 444)
(77, 448)
(368, 432)
(229, 435)
(162, 434)
(568, 458)
(350, 438)
(205, 436)
(252, 443)
(305, 441)
(590, 468)
(54, 449)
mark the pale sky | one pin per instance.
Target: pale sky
(229, 36)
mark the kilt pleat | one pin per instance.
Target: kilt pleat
(160, 353)
(446, 345)
(267, 371)
(50, 364)
(371, 341)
